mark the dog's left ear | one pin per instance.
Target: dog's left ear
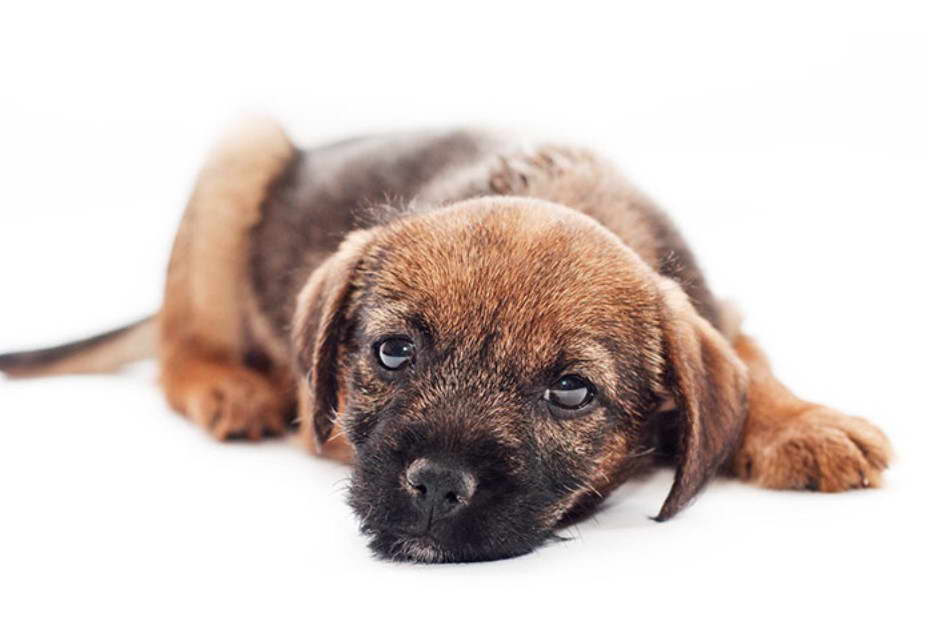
(708, 383)
(318, 328)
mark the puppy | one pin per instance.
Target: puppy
(496, 333)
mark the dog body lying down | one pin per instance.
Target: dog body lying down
(498, 334)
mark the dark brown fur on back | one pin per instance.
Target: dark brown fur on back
(328, 191)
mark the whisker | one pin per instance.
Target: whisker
(641, 453)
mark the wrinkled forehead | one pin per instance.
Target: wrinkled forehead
(526, 271)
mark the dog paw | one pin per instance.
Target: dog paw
(821, 449)
(234, 403)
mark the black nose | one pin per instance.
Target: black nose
(440, 489)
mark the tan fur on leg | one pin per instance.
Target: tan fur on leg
(791, 443)
(203, 318)
(230, 401)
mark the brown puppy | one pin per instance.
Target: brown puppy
(498, 333)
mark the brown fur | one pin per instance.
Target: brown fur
(204, 327)
(105, 353)
(791, 443)
(275, 274)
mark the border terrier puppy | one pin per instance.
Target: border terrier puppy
(497, 334)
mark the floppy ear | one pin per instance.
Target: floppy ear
(708, 382)
(318, 329)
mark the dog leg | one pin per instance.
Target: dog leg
(202, 349)
(790, 443)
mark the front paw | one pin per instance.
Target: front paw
(820, 449)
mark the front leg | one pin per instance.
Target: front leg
(791, 443)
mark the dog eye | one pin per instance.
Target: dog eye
(395, 352)
(570, 392)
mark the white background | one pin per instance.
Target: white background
(789, 142)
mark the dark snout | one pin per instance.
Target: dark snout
(439, 490)
(424, 498)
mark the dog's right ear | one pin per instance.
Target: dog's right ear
(708, 383)
(318, 329)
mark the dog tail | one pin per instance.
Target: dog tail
(102, 353)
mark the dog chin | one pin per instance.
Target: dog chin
(426, 549)
(411, 548)
(423, 549)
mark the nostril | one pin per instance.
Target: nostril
(439, 488)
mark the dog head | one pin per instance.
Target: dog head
(498, 363)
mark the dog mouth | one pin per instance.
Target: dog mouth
(397, 531)
(430, 548)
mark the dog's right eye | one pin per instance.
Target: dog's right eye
(570, 395)
(395, 352)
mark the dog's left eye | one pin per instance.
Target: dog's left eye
(395, 352)
(570, 392)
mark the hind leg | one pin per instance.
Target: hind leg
(791, 443)
(205, 316)
(227, 399)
